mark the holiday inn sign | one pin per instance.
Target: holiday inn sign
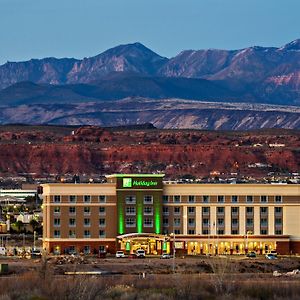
(131, 183)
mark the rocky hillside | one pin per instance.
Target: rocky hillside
(42, 150)
(167, 113)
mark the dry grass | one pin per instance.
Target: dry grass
(222, 283)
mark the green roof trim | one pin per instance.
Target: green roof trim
(134, 175)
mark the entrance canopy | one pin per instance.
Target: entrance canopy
(143, 236)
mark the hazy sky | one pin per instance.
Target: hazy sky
(79, 28)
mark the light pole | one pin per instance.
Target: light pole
(174, 252)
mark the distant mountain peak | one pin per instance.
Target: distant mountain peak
(294, 45)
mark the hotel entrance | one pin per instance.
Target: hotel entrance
(153, 244)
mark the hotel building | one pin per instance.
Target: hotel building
(133, 211)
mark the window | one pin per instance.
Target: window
(72, 210)
(220, 222)
(86, 198)
(205, 210)
(249, 210)
(205, 231)
(165, 231)
(165, 222)
(177, 231)
(176, 222)
(220, 210)
(278, 222)
(165, 210)
(234, 222)
(234, 199)
(86, 222)
(234, 210)
(130, 199)
(165, 199)
(191, 222)
(234, 231)
(278, 199)
(72, 234)
(221, 199)
(191, 199)
(263, 231)
(87, 210)
(86, 234)
(220, 231)
(57, 199)
(191, 231)
(205, 199)
(102, 233)
(191, 210)
(56, 222)
(278, 210)
(148, 210)
(278, 231)
(176, 210)
(57, 233)
(249, 222)
(72, 199)
(130, 210)
(130, 222)
(102, 222)
(57, 210)
(102, 210)
(264, 222)
(102, 199)
(102, 249)
(263, 199)
(263, 210)
(72, 222)
(86, 250)
(148, 199)
(176, 199)
(205, 222)
(249, 199)
(148, 222)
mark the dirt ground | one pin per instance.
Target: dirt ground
(58, 265)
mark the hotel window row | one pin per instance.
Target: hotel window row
(221, 199)
(86, 210)
(72, 222)
(86, 233)
(84, 198)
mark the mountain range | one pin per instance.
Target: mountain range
(266, 75)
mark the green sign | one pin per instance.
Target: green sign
(129, 183)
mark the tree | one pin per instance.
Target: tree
(34, 224)
(19, 225)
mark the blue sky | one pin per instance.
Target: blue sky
(82, 28)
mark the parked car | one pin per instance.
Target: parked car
(120, 254)
(2, 251)
(35, 253)
(140, 253)
(274, 252)
(166, 256)
(270, 256)
(251, 254)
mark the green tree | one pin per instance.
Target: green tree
(19, 225)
